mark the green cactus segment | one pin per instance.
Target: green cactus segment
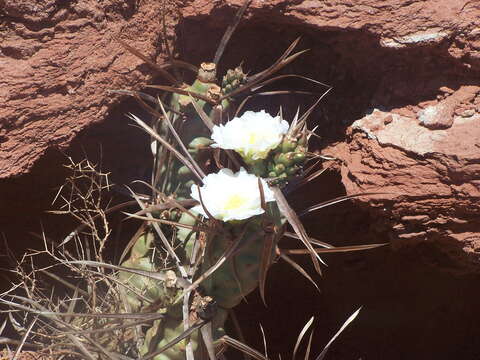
(143, 292)
(191, 128)
(137, 284)
(161, 333)
(238, 276)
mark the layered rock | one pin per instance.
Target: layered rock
(58, 60)
(430, 179)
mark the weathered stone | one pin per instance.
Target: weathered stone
(432, 176)
(58, 63)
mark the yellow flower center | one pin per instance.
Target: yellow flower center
(252, 138)
(234, 202)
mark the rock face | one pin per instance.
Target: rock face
(433, 177)
(58, 60)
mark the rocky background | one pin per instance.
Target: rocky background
(403, 119)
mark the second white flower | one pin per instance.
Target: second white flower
(253, 135)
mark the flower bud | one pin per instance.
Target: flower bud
(184, 172)
(200, 143)
(279, 168)
(299, 157)
(292, 170)
(288, 145)
(285, 159)
(207, 72)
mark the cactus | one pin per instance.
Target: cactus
(203, 104)
(232, 281)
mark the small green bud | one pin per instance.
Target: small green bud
(292, 170)
(272, 174)
(285, 159)
(279, 168)
(299, 157)
(184, 172)
(288, 145)
(200, 143)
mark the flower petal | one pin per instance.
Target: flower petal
(231, 196)
(253, 135)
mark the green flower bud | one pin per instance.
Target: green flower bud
(184, 172)
(200, 143)
(258, 167)
(292, 170)
(272, 174)
(279, 168)
(288, 145)
(299, 157)
(285, 159)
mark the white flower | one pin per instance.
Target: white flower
(252, 135)
(228, 196)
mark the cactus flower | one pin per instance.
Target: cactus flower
(231, 196)
(252, 135)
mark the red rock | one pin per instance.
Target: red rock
(57, 65)
(432, 176)
(58, 61)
